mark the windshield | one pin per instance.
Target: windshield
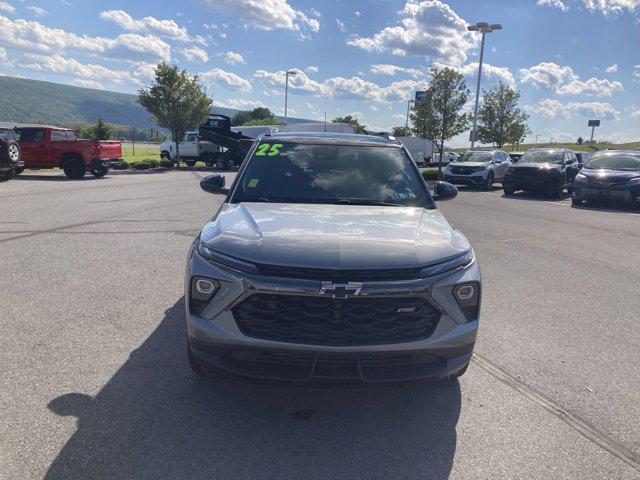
(542, 156)
(345, 174)
(621, 161)
(476, 157)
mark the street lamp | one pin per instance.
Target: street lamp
(537, 137)
(286, 91)
(406, 125)
(485, 28)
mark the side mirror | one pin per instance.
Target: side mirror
(444, 191)
(214, 184)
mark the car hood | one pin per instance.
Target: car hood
(330, 236)
(470, 164)
(534, 166)
(609, 175)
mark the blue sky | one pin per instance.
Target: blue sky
(572, 60)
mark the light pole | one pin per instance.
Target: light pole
(406, 125)
(485, 28)
(286, 91)
(551, 141)
(537, 137)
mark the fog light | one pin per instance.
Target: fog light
(205, 287)
(465, 292)
(468, 297)
(202, 291)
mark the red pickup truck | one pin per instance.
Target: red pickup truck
(48, 147)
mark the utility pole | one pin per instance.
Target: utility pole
(485, 28)
(406, 124)
(286, 91)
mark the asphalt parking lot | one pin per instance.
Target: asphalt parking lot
(95, 382)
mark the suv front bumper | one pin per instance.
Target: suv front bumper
(215, 338)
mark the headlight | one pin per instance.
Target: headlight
(201, 292)
(448, 265)
(580, 178)
(225, 260)
(468, 297)
(634, 181)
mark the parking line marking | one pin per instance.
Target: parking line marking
(545, 201)
(586, 430)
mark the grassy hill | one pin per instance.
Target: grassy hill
(34, 101)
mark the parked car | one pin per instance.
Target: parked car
(548, 170)
(515, 156)
(613, 175)
(478, 168)
(192, 149)
(50, 147)
(583, 157)
(329, 261)
(10, 161)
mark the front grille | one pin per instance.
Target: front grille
(529, 172)
(463, 170)
(334, 321)
(323, 274)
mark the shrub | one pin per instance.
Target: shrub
(166, 163)
(141, 166)
(120, 165)
(153, 163)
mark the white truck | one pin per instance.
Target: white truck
(192, 150)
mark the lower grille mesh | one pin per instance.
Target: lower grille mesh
(331, 321)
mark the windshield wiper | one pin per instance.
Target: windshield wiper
(363, 201)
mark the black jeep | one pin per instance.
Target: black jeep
(10, 162)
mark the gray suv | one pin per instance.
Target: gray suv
(481, 168)
(329, 262)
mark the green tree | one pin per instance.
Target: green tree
(176, 101)
(102, 130)
(580, 140)
(500, 120)
(438, 117)
(351, 120)
(402, 131)
(518, 133)
(260, 114)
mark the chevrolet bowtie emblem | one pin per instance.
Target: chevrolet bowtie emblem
(340, 290)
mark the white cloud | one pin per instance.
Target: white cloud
(38, 11)
(224, 79)
(312, 69)
(490, 74)
(563, 81)
(240, 104)
(233, 58)
(195, 54)
(266, 14)
(341, 26)
(90, 74)
(636, 73)
(164, 28)
(7, 7)
(3, 55)
(550, 108)
(34, 37)
(635, 113)
(612, 69)
(554, 3)
(354, 88)
(387, 69)
(357, 13)
(429, 28)
(612, 7)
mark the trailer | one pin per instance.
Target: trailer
(235, 145)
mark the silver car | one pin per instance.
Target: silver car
(480, 168)
(329, 262)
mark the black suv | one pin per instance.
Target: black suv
(548, 170)
(10, 163)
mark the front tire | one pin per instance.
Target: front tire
(576, 201)
(190, 163)
(558, 190)
(488, 184)
(19, 170)
(74, 168)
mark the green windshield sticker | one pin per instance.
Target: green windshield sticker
(253, 183)
(267, 149)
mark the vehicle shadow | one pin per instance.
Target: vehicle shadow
(536, 197)
(608, 207)
(61, 177)
(156, 419)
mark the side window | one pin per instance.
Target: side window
(58, 135)
(191, 137)
(31, 135)
(71, 135)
